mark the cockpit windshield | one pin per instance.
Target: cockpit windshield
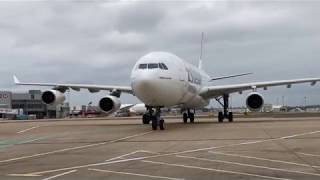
(153, 66)
(142, 66)
(163, 66)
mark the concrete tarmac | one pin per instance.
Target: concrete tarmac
(115, 148)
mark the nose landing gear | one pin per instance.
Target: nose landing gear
(155, 118)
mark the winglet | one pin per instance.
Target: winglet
(16, 80)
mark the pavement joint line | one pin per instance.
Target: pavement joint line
(135, 174)
(73, 148)
(250, 165)
(167, 154)
(215, 170)
(263, 159)
(59, 175)
(13, 143)
(307, 154)
(25, 130)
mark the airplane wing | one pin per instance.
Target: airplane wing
(230, 76)
(215, 91)
(77, 87)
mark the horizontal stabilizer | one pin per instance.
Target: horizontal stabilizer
(230, 76)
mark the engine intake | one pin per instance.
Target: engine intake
(254, 101)
(53, 97)
(109, 104)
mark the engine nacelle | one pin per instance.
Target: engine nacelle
(254, 101)
(53, 97)
(109, 104)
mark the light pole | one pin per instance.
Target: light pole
(305, 103)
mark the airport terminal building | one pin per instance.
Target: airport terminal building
(29, 104)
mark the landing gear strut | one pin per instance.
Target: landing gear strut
(189, 115)
(147, 117)
(155, 118)
(225, 114)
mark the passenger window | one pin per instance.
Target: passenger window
(142, 66)
(164, 66)
(153, 66)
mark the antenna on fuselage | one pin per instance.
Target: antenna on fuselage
(201, 52)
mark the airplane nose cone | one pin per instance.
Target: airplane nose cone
(147, 88)
(153, 91)
(143, 87)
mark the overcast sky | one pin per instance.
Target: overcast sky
(99, 42)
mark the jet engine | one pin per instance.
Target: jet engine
(53, 97)
(109, 104)
(254, 101)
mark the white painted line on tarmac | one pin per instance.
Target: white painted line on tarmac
(73, 148)
(25, 130)
(249, 165)
(307, 154)
(24, 175)
(134, 174)
(263, 159)
(216, 170)
(162, 155)
(131, 153)
(302, 134)
(121, 157)
(59, 175)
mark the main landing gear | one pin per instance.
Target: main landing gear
(225, 114)
(154, 117)
(189, 115)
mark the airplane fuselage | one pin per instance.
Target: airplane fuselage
(161, 79)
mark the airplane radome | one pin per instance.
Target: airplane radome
(162, 79)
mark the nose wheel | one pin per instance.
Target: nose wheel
(146, 119)
(155, 118)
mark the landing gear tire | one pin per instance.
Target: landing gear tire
(230, 117)
(220, 117)
(154, 123)
(161, 124)
(185, 117)
(145, 119)
(191, 116)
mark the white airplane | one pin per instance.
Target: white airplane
(161, 79)
(131, 109)
(138, 109)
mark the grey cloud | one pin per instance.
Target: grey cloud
(139, 17)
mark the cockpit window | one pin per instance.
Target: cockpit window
(142, 66)
(160, 65)
(153, 66)
(163, 66)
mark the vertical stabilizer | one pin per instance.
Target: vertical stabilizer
(201, 51)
